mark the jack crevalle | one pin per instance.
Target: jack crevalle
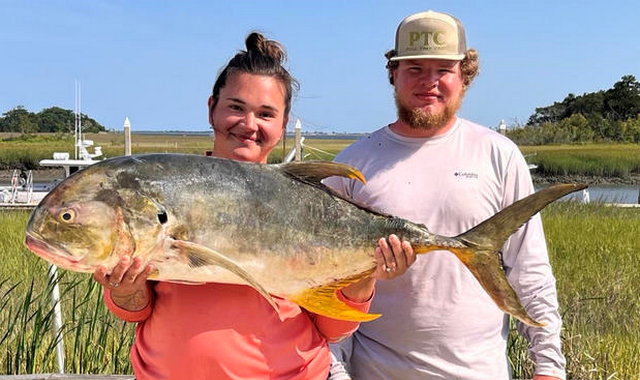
(274, 227)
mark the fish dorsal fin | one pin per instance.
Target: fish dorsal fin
(316, 171)
(312, 172)
(198, 255)
(323, 301)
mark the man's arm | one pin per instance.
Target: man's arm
(526, 263)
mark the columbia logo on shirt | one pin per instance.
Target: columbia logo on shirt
(469, 175)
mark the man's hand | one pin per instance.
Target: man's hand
(127, 283)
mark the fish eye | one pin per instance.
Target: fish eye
(162, 217)
(67, 216)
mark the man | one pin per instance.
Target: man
(432, 167)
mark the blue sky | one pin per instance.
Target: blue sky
(155, 61)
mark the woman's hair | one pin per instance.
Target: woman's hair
(262, 57)
(469, 66)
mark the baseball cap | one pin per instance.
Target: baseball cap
(430, 35)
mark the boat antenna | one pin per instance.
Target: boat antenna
(78, 119)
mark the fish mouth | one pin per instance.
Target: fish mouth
(49, 252)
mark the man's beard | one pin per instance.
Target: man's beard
(417, 118)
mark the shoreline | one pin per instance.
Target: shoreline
(589, 180)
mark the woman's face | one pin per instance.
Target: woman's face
(248, 119)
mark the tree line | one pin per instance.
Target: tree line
(611, 115)
(53, 120)
(605, 116)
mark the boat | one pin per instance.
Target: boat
(22, 192)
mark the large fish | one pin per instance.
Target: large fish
(274, 227)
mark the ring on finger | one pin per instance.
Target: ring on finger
(114, 284)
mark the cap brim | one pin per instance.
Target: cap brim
(453, 57)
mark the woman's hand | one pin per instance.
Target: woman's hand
(393, 258)
(127, 283)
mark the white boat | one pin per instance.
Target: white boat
(23, 193)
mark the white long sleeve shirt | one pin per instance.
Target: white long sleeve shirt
(438, 322)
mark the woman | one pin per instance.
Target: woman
(222, 331)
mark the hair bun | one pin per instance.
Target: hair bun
(257, 43)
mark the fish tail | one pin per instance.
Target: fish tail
(479, 247)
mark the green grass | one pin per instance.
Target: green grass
(594, 251)
(95, 341)
(604, 160)
(26, 153)
(601, 160)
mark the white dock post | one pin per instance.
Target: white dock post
(127, 137)
(52, 272)
(298, 130)
(502, 127)
(57, 316)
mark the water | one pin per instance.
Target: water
(628, 194)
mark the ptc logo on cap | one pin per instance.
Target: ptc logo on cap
(430, 35)
(428, 39)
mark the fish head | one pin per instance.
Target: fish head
(89, 219)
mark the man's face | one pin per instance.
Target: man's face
(428, 92)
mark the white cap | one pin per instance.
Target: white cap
(432, 35)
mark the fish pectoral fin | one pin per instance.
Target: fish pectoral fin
(199, 255)
(316, 171)
(323, 301)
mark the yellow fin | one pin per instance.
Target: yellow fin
(323, 301)
(316, 171)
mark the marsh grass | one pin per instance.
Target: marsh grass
(602, 160)
(605, 160)
(25, 154)
(94, 341)
(594, 250)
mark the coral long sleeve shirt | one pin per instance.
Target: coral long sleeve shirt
(220, 331)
